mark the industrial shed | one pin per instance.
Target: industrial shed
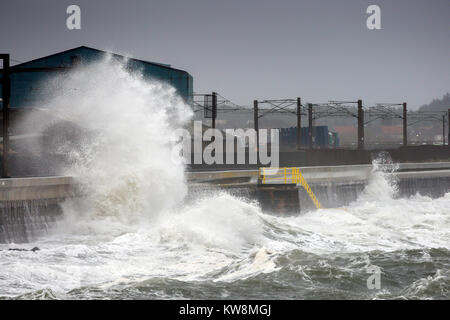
(25, 85)
(27, 151)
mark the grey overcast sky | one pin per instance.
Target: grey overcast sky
(246, 49)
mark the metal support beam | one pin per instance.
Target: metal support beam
(299, 123)
(6, 93)
(443, 130)
(310, 125)
(255, 121)
(405, 125)
(214, 109)
(360, 125)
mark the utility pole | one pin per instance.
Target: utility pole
(448, 138)
(405, 125)
(360, 125)
(443, 130)
(310, 125)
(6, 93)
(299, 123)
(255, 121)
(214, 109)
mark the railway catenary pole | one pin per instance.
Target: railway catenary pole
(310, 125)
(448, 126)
(214, 109)
(443, 130)
(255, 122)
(299, 123)
(405, 124)
(360, 125)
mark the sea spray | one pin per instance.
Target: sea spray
(377, 220)
(121, 159)
(383, 184)
(114, 131)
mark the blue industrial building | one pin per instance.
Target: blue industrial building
(25, 85)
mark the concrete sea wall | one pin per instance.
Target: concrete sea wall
(28, 206)
(334, 186)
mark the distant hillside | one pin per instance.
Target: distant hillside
(437, 104)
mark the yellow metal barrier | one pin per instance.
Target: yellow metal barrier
(287, 175)
(298, 178)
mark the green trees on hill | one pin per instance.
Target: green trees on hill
(437, 104)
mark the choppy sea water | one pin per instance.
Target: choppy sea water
(134, 237)
(223, 248)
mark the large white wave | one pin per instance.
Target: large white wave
(123, 161)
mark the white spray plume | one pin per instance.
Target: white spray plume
(123, 163)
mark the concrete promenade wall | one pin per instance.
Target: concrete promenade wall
(334, 186)
(28, 206)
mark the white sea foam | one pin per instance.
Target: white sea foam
(377, 220)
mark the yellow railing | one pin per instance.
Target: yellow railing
(299, 179)
(287, 176)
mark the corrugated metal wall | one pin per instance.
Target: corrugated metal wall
(25, 86)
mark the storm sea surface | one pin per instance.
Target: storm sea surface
(133, 236)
